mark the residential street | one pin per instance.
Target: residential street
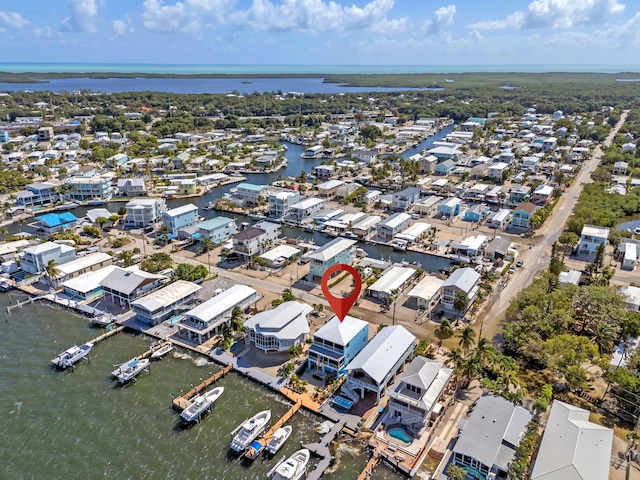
(538, 256)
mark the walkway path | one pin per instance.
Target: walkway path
(321, 449)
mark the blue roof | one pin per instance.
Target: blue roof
(251, 186)
(214, 223)
(57, 219)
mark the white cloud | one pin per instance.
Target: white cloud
(83, 16)
(476, 35)
(43, 32)
(122, 27)
(442, 17)
(13, 20)
(317, 16)
(556, 14)
(184, 17)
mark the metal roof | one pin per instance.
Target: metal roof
(343, 332)
(125, 281)
(287, 321)
(381, 354)
(332, 248)
(81, 263)
(218, 305)
(167, 296)
(281, 251)
(463, 278)
(428, 375)
(427, 287)
(174, 212)
(395, 220)
(393, 279)
(493, 420)
(46, 247)
(572, 447)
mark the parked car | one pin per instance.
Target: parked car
(519, 263)
(512, 269)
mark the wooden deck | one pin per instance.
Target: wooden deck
(110, 332)
(252, 452)
(368, 468)
(180, 403)
(151, 350)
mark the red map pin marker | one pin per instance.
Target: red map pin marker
(341, 305)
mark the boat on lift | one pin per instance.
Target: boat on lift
(249, 430)
(200, 404)
(72, 355)
(130, 370)
(294, 467)
(162, 351)
(281, 436)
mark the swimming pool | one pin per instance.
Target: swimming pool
(400, 433)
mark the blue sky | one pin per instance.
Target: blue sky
(322, 32)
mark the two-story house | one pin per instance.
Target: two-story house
(404, 199)
(280, 202)
(519, 194)
(335, 345)
(413, 398)
(591, 237)
(522, 214)
(329, 189)
(93, 188)
(300, 211)
(216, 229)
(256, 240)
(180, 217)
(392, 225)
(461, 280)
(142, 212)
(37, 258)
(378, 363)
(132, 187)
(542, 195)
(39, 193)
(338, 250)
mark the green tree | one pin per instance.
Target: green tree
(467, 337)
(51, 270)
(444, 330)
(157, 262)
(460, 302)
(101, 221)
(455, 472)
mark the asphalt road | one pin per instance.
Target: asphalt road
(538, 256)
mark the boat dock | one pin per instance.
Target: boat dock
(180, 403)
(368, 468)
(254, 450)
(152, 349)
(109, 333)
(321, 449)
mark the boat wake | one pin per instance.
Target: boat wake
(202, 362)
(182, 356)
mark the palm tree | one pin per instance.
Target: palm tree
(52, 270)
(484, 350)
(467, 336)
(460, 302)
(604, 334)
(237, 319)
(444, 330)
(456, 360)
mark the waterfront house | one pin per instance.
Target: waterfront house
(298, 212)
(79, 266)
(404, 199)
(591, 237)
(463, 280)
(378, 363)
(277, 330)
(489, 437)
(165, 302)
(392, 225)
(87, 285)
(329, 189)
(249, 193)
(37, 258)
(498, 248)
(51, 223)
(366, 226)
(413, 399)
(208, 319)
(280, 202)
(39, 193)
(542, 195)
(338, 250)
(412, 235)
(255, 240)
(142, 212)
(217, 229)
(522, 213)
(131, 187)
(426, 294)
(180, 217)
(444, 153)
(444, 168)
(449, 207)
(124, 285)
(324, 172)
(572, 446)
(393, 280)
(471, 246)
(93, 188)
(335, 345)
(366, 156)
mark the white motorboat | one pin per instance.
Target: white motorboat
(636, 230)
(130, 370)
(249, 430)
(102, 320)
(162, 351)
(73, 355)
(294, 467)
(200, 404)
(281, 436)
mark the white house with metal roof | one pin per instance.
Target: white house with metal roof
(81, 265)
(394, 279)
(37, 258)
(160, 305)
(298, 212)
(572, 447)
(378, 363)
(279, 329)
(464, 280)
(278, 256)
(335, 345)
(124, 285)
(426, 294)
(591, 237)
(338, 250)
(489, 437)
(87, 285)
(143, 211)
(414, 397)
(206, 320)
(392, 225)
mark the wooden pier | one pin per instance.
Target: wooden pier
(252, 452)
(152, 349)
(109, 333)
(182, 402)
(28, 301)
(367, 471)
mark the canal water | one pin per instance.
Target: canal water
(80, 424)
